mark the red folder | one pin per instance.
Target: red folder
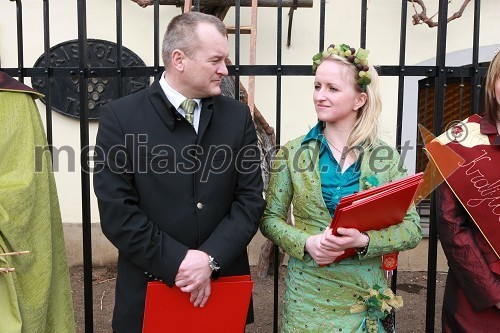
(169, 309)
(377, 208)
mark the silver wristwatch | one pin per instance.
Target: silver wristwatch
(362, 251)
(214, 266)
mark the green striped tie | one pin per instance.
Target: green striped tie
(188, 106)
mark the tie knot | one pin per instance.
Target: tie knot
(188, 106)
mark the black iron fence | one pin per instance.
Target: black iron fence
(80, 73)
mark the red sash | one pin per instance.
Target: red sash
(477, 185)
(476, 181)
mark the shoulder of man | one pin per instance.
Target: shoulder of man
(129, 105)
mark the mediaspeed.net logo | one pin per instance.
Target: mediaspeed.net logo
(164, 159)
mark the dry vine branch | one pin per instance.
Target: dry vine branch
(6, 270)
(421, 18)
(103, 281)
(13, 253)
(102, 297)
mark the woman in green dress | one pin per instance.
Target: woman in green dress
(339, 156)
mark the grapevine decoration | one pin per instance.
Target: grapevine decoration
(358, 58)
(379, 305)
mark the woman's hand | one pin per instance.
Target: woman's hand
(326, 247)
(320, 254)
(347, 238)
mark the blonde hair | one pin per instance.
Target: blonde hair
(491, 106)
(364, 134)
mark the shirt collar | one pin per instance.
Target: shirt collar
(316, 133)
(175, 97)
(487, 127)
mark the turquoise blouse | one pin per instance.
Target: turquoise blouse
(335, 184)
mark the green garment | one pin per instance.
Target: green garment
(319, 299)
(36, 297)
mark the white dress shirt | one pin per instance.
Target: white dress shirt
(176, 98)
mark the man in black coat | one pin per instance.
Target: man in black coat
(179, 190)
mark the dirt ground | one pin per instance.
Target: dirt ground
(411, 285)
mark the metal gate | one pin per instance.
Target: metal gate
(437, 76)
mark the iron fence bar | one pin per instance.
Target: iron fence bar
(237, 35)
(156, 36)
(426, 111)
(119, 46)
(401, 77)
(460, 107)
(276, 250)
(322, 15)
(20, 50)
(364, 13)
(48, 95)
(305, 70)
(475, 84)
(439, 88)
(246, 70)
(85, 177)
(399, 120)
(430, 306)
(420, 143)
(440, 78)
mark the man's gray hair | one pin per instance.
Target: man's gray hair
(181, 33)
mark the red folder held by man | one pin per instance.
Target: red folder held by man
(376, 208)
(169, 309)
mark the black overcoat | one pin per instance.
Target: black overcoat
(163, 189)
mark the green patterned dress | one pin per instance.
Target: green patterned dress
(318, 299)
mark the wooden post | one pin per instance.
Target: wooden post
(244, 3)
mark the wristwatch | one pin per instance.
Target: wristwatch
(362, 251)
(214, 266)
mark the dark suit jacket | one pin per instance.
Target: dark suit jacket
(163, 189)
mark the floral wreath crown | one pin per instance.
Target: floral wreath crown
(357, 58)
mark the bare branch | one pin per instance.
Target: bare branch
(102, 297)
(460, 12)
(422, 18)
(4, 270)
(13, 253)
(104, 281)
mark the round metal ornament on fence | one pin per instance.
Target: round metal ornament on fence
(65, 90)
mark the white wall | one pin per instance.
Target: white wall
(342, 25)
